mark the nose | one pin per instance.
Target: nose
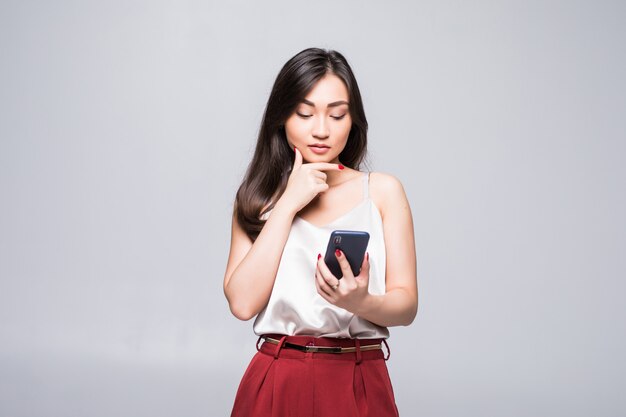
(320, 129)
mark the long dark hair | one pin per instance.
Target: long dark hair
(268, 172)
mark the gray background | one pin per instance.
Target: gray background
(126, 128)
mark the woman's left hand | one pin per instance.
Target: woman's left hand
(348, 292)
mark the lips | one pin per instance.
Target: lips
(319, 148)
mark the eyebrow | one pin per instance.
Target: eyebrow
(333, 104)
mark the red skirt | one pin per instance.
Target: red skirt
(281, 381)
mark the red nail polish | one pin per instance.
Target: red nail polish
(367, 255)
(319, 255)
(294, 148)
(337, 252)
(341, 166)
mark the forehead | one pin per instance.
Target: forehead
(328, 89)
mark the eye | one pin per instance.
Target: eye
(303, 115)
(338, 117)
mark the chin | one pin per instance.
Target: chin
(320, 158)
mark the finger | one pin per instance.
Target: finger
(325, 271)
(322, 187)
(344, 264)
(320, 174)
(326, 297)
(297, 162)
(324, 166)
(331, 282)
(345, 267)
(322, 288)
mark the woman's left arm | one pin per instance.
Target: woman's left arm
(398, 306)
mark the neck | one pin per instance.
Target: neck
(335, 177)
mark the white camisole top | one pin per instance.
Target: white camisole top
(295, 307)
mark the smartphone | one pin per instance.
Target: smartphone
(353, 244)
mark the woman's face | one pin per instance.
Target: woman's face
(321, 123)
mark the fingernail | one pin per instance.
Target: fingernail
(294, 148)
(367, 255)
(337, 252)
(341, 166)
(319, 255)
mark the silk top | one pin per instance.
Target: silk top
(294, 306)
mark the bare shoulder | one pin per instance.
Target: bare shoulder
(387, 191)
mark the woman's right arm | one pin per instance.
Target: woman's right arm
(252, 267)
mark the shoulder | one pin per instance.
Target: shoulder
(385, 185)
(386, 191)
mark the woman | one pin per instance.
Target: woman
(322, 352)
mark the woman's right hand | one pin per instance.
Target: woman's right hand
(305, 182)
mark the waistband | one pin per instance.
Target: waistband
(325, 345)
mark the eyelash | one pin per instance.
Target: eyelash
(306, 116)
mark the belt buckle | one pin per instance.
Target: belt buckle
(326, 349)
(311, 347)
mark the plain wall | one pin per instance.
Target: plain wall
(125, 130)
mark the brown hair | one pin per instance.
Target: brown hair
(268, 172)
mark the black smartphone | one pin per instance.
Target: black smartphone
(353, 244)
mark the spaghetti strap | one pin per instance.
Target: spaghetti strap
(366, 177)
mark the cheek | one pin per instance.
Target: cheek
(294, 130)
(345, 130)
(346, 126)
